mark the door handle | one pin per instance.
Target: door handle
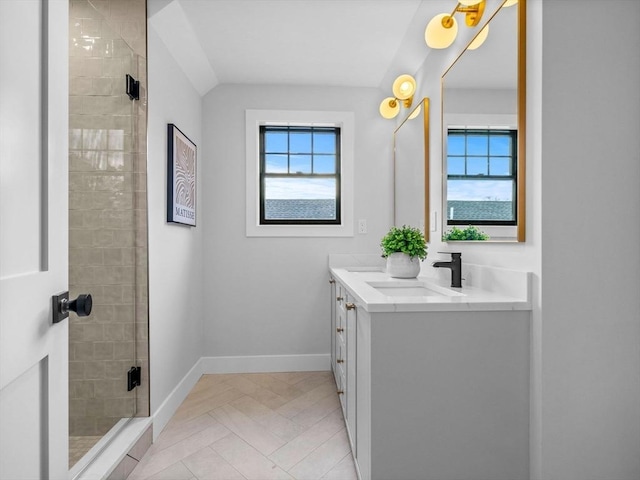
(61, 305)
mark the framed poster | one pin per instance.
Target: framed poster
(181, 177)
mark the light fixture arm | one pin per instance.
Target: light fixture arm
(473, 14)
(447, 21)
(442, 29)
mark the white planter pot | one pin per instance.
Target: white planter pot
(401, 265)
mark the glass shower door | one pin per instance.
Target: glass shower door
(107, 231)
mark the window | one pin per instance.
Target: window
(481, 176)
(299, 175)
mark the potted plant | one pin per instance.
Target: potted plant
(403, 247)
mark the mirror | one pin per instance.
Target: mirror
(483, 120)
(411, 170)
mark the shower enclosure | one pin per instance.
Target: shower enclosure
(107, 222)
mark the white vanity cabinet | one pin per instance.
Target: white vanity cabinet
(432, 391)
(332, 300)
(343, 353)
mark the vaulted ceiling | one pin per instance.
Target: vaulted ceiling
(360, 43)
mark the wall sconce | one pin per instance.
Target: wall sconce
(404, 87)
(442, 30)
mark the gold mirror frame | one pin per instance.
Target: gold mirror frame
(521, 118)
(416, 121)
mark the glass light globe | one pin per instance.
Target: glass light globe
(415, 112)
(404, 87)
(469, 3)
(509, 3)
(480, 38)
(389, 108)
(437, 35)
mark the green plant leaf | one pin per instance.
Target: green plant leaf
(404, 239)
(470, 233)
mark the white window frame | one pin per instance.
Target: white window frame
(343, 120)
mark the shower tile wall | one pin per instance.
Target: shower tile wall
(107, 212)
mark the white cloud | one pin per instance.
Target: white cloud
(295, 188)
(479, 190)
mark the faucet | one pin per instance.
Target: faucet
(456, 268)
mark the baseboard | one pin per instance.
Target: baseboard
(165, 411)
(266, 363)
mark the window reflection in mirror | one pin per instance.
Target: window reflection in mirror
(481, 176)
(483, 134)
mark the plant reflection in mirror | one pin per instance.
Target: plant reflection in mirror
(470, 233)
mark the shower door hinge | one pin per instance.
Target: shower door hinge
(132, 87)
(134, 377)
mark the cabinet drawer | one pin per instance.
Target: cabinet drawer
(341, 315)
(342, 373)
(342, 391)
(341, 352)
(341, 325)
(341, 299)
(335, 373)
(340, 381)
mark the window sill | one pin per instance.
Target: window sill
(299, 231)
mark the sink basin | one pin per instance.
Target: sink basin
(407, 291)
(364, 269)
(413, 288)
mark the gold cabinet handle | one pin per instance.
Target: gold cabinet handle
(339, 330)
(339, 360)
(350, 306)
(331, 280)
(340, 392)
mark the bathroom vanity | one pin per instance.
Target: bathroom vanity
(433, 381)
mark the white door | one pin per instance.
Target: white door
(33, 238)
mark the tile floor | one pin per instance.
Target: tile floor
(258, 426)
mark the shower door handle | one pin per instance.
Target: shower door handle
(60, 305)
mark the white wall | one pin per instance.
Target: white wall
(479, 101)
(175, 252)
(270, 296)
(590, 148)
(583, 184)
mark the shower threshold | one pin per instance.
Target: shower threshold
(105, 456)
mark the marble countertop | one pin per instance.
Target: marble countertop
(484, 288)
